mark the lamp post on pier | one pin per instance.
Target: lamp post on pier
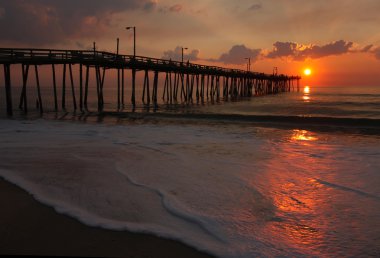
(183, 48)
(134, 39)
(249, 64)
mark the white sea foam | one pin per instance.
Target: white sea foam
(233, 191)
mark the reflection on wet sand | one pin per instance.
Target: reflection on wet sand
(298, 198)
(317, 210)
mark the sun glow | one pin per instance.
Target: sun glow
(307, 71)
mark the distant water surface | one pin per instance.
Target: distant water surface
(338, 102)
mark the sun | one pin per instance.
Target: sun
(307, 71)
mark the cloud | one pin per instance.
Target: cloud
(48, 22)
(176, 54)
(376, 53)
(150, 5)
(175, 8)
(336, 48)
(171, 9)
(255, 7)
(366, 48)
(301, 52)
(237, 55)
(283, 49)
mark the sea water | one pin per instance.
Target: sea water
(233, 189)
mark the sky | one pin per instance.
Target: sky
(338, 40)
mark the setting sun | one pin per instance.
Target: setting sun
(307, 72)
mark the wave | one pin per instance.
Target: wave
(298, 120)
(170, 208)
(93, 220)
(348, 189)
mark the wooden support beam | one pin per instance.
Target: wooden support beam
(64, 88)
(217, 87)
(8, 90)
(86, 87)
(183, 96)
(207, 84)
(97, 74)
(23, 99)
(146, 88)
(170, 88)
(187, 93)
(191, 87)
(175, 89)
(133, 97)
(212, 88)
(118, 86)
(122, 87)
(55, 88)
(166, 88)
(203, 88)
(39, 98)
(81, 87)
(103, 75)
(72, 87)
(197, 93)
(155, 88)
(225, 88)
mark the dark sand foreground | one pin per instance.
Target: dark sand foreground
(30, 228)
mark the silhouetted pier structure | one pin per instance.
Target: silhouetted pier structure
(184, 81)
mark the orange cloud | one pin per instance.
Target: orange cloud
(301, 52)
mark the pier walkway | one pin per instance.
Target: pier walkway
(184, 81)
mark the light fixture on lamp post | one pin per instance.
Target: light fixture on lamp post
(134, 39)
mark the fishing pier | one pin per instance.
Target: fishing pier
(183, 82)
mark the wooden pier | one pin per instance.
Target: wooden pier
(184, 81)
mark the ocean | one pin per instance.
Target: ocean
(289, 175)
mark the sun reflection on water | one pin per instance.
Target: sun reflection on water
(306, 94)
(302, 135)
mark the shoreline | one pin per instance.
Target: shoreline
(31, 228)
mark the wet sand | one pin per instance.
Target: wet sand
(30, 228)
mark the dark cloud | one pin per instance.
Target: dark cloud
(336, 48)
(46, 22)
(238, 53)
(367, 48)
(176, 54)
(301, 52)
(283, 49)
(255, 7)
